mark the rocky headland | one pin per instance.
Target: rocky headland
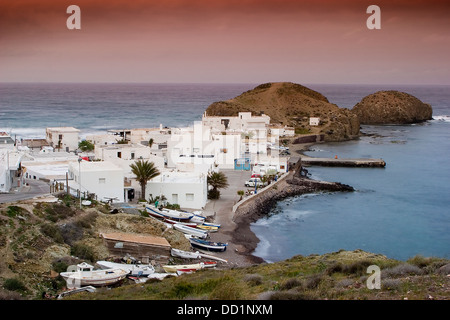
(391, 107)
(292, 105)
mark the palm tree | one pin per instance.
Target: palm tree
(144, 171)
(217, 180)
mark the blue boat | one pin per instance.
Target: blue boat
(208, 245)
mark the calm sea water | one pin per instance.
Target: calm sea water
(27, 109)
(400, 211)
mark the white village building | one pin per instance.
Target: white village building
(187, 189)
(103, 178)
(62, 138)
(123, 155)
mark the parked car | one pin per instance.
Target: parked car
(253, 181)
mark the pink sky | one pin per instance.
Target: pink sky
(246, 41)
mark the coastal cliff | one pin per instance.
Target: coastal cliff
(292, 105)
(392, 107)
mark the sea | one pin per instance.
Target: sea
(400, 211)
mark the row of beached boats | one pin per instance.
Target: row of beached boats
(110, 273)
(192, 224)
(189, 219)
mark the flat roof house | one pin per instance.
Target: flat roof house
(62, 138)
(103, 178)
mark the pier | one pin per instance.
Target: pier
(336, 162)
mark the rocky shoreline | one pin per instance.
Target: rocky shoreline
(251, 211)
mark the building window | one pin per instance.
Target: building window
(119, 154)
(132, 155)
(101, 180)
(189, 197)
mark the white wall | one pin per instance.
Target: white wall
(69, 138)
(187, 190)
(102, 178)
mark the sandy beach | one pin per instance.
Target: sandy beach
(235, 229)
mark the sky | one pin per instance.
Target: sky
(226, 41)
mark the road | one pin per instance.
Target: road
(35, 188)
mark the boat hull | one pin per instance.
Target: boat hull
(208, 245)
(169, 214)
(191, 231)
(97, 278)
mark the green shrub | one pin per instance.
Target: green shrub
(291, 283)
(52, 231)
(213, 194)
(82, 251)
(227, 290)
(253, 279)
(71, 232)
(87, 221)
(181, 290)
(13, 284)
(13, 211)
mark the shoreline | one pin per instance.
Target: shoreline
(238, 230)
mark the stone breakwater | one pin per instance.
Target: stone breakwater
(261, 205)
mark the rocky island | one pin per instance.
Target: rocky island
(292, 105)
(391, 107)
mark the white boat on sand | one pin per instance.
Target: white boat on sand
(85, 275)
(184, 254)
(208, 245)
(135, 270)
(194, 255)
(186, 268)
(169, 214)
(191, 231)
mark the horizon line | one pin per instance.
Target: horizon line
(220, 83)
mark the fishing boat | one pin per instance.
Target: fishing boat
(197, 217)
(165, 213)
(184, 254)
(183, 267)
(189, 224)
(211, 224)
(135, 270)
(191, 231)
(208, 245)
(209, 264)
(207, 228)
(85, 275)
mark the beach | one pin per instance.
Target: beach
(235, 226)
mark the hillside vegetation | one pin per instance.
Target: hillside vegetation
(39, 240)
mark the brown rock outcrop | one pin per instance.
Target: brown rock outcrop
(392, 107)
(292, 105)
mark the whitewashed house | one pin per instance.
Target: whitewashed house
(10, 166)
(62, 138)
(187, 189)
(123, 155)
(103, 178)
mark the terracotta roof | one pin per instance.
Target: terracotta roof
(129, 237)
